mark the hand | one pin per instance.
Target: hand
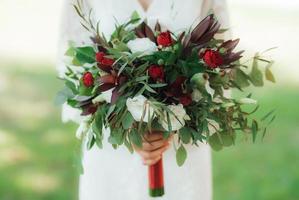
(153, 146)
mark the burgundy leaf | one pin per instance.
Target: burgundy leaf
(181, 36)
(230, 45)
(232, 57)
(140, 31)
(149, 33)
(158, 27)
(89, 109)
(106, 87)
(84, 103)
(107, 79)
(115, 95)
(121, 80)
(201, 28)
(105, 68)
(186, 41)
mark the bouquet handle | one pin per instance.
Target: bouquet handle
(156, 179)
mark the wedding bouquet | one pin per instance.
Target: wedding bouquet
(144, 79)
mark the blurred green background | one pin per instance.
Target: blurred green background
(37, 151)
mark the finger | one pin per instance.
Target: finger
(148, 155)
(151, 137)
(154, 145)
(152, 161)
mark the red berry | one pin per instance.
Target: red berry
(212, 58)
(186, 100)
(88, 79)
(156, 72)
(164, 39)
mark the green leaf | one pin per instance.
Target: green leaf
(70, 52)
(76, 62)
(127, 121)
(135, 17)
(256, 75)
(269, 74)
(254, 129)
(63, 95)
(185, 135)
(135, 138)
(128, 145)
(215, 142)
(91, 142)
(116, 137)
(85, 55)
(241, 78)
(191, 69)
(71, 86)
(181, 156)
(267, 115)
(83, 90)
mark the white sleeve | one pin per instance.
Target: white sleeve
(70, 30)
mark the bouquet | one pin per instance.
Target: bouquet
(143, 79)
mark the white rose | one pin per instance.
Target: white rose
(104, 97)
(196, 95)
(247, 101)
(178, 121)
(139, 105)
(142, 45)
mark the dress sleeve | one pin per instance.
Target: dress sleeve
(70, 31)
(220, 9)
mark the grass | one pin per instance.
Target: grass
(37, 150)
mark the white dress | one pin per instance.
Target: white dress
(116, 174)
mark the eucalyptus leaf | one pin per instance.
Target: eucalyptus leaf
(215, 142)
(135, 138)
(241, 78)
(268, 73)
(256, 75)
(185, 135)
(85, 55)
(181, 155)
(127, 121)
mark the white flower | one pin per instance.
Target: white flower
(196, 95)
(142, 45)
(178, 121)
(247, 101)
(104, 97)
(139, 105)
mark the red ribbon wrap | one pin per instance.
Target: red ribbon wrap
(155, 175)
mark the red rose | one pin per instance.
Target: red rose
(88, 79)
(100, 58)
(186, 100)
(164, 39)
(156, 72)
(212, 58)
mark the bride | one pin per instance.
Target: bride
(119, 175)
